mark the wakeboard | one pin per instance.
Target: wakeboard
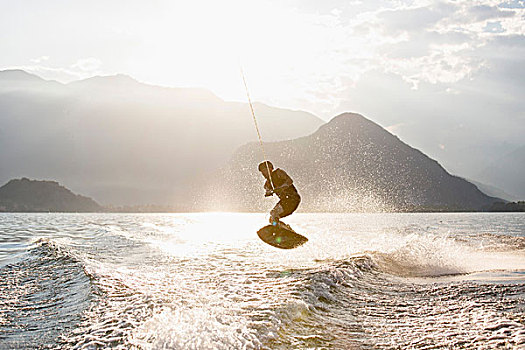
(281, 236)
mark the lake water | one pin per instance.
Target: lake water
(205, 281)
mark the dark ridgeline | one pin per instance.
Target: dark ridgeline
(124, 142)
(24, 195)
(349, 164)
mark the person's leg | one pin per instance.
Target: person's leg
(275, 213)
(285, 207)
(289, 205)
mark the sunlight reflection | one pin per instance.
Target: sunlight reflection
(205, 232)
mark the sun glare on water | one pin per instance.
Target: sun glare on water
(189, 234)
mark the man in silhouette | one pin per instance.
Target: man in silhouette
(278, 182)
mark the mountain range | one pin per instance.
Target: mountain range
(348, 164)
(124, 142)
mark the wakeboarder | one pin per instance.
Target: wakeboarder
(279, 183)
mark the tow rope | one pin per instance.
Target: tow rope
(257, 128)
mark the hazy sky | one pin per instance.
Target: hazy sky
(403, 63)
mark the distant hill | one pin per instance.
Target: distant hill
(349, 164)
(493, 191)
(24, 195)
(124, 142)
(508, 173)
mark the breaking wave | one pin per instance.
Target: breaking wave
(42, 296)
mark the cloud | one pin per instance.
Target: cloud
(441, 43)
(40, 59)
(87, 64)
(438, 41)
(513, 4)
(494, 27)
(413, 19)
(484, 12)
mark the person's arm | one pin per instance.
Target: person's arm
(268, 188)
(287, 181)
